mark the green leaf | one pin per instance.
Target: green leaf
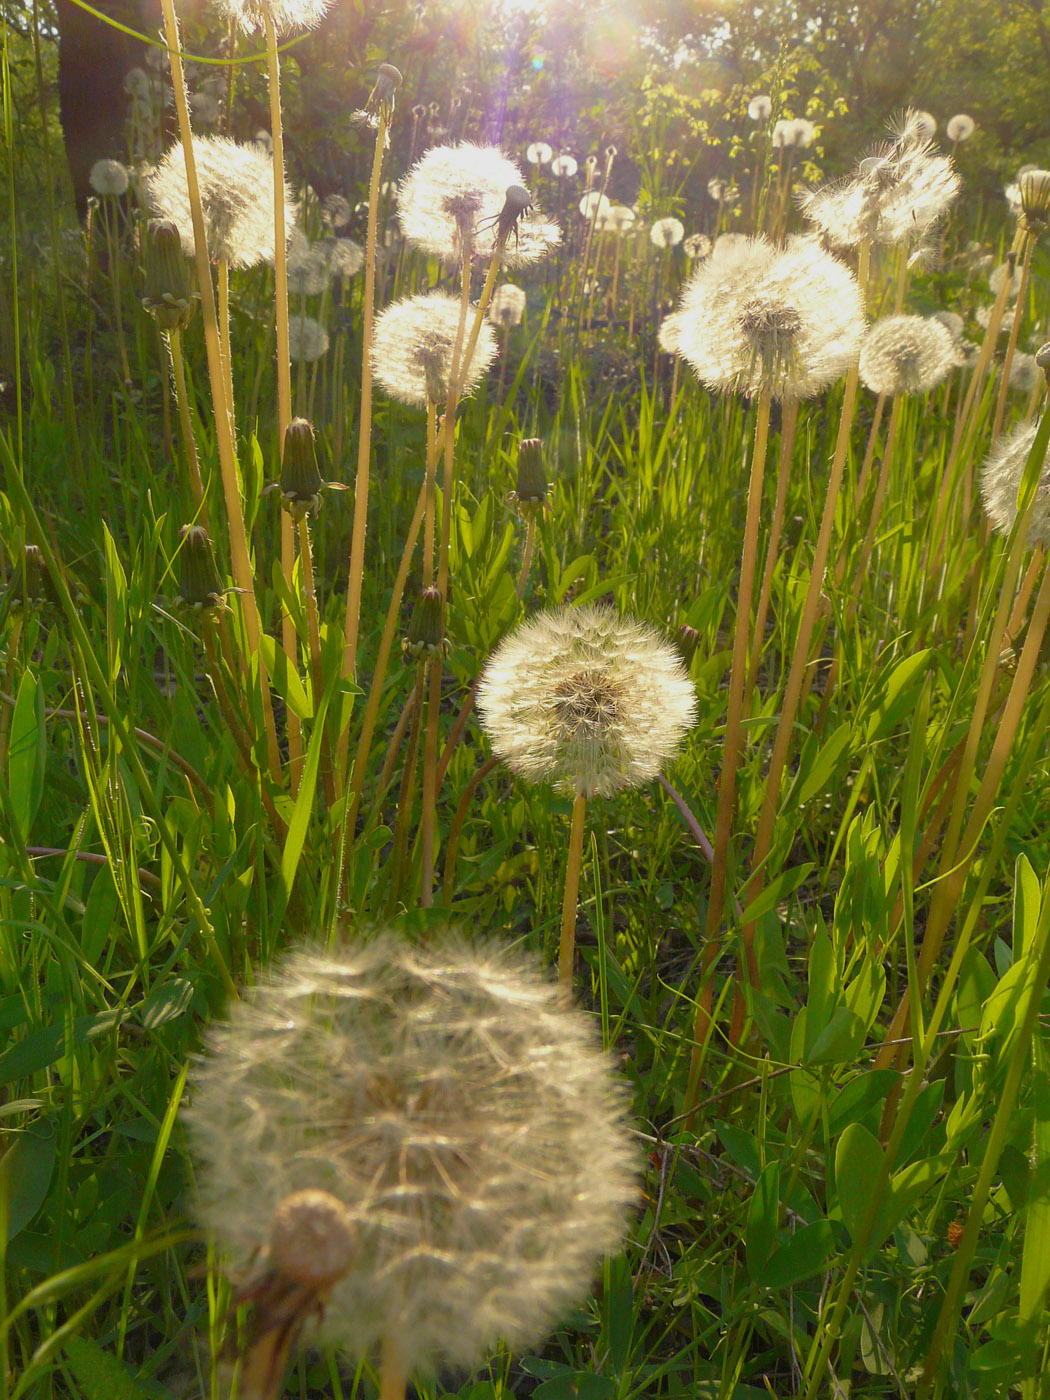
(26, 1169)
(858, 1162)
(818, 776)
(303, 809)
(897, 697)
(619, 1297)
(804, 1254)
(576, 1385)
(100, 1375)
(284, 677)
(762, 1217)
(27, 752)
(786, 883)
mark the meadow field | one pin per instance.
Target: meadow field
(524, 715)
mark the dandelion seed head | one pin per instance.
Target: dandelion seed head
(205, 108)
(413, 344)
(757, 318)
(467, 1122)
(1025, 373)
(288, 16)
(999, 275)
(760, 108)
(621, 218)
(1001, 478)
(345, 257)
(952, 321)
(507, 305)
(586, 699)
(592, 205)
(307, 339)
(667, 335)
(564, 166)
(960, 127)
(109, 178)
(797, 132)
(236, 189)
(983, 317)
(335, 210)
(697, 245)
(667, 233)
(539, 153)
(905, 354)
(308, 268)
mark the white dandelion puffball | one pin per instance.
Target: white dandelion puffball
(467, 1121)
(539, 153)
(453, 197)
(1025, 373)
(564, 167)
(667, 335)
(667, 233)
(308, 268)
(755, 317)
(346, 258)
(760, 108)
(335, 210)
(905, 354)
(307, 339)
(413, 343)
(953, 321)
(236, 189)
(983, 317)
(289, 16)
(621, 218)
(205, 108)
(998, 276)
(507, 305)
(593, 205)
(960, 127)
(587, 699)
(1001, 478)
(789, 133)
(109, 178)
(697, 245)
(894, 196)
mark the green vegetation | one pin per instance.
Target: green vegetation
(825, 991)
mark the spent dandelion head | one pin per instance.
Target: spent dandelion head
(465, 1120)
(454, 199)
(1025, 373)
(757, 318)
(413, 345)
(1033, 188)
(1001, 478)
(236, 190)
(905, 354)
(309, 272)
(109, 178)
(587, 699)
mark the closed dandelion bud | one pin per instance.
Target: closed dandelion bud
(1034, 191)
(686, 640)
(200, 587)
(426, 631)
(531, 491)
(301, 482)
(168, 297)
(30, 582)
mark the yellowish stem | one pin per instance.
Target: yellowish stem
(570, 895)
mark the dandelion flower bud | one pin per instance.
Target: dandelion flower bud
(200, 587)
(587, 699)
(301, 482)
(667, 233)
(168, 297)
(381, 98)
(109, 178)
(1034, 193)
(905, 355)
(539, 153)
(1001, 479)
(307, 339)
(426, 629)
(453, 199)
(564, 167)
(960, 127)
(531, 492)
(760, 107)
(507, 305)
(30, 583)
(754, 318)
(236, 189)
(465, 1120)
(413, 344)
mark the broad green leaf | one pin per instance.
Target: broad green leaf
(1035, 1257)
(285, 678)
(100, 1375)
(26, 1169)
(786, 883)
(304, 802)
(762, 1219)
(858, 1162)
(801, 1256)
(897, 696)
(576, 1385)
(27, 752)
(619, 1298)
(816, 779)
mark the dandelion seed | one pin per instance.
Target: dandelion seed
(453, 198)
(507, 305)
(960, 127)
(236, 189)
(467, 1122)
(564, 167)
(539, 153)
(756, 318)
(109, 178)
(307, 339)
(587, 699)
(905, 355)
(667, 233)
(412, 349)
(1001, 479)
(760, 108)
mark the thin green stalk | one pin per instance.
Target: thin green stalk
(570, 896)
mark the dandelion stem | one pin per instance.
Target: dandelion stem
(189, 443)
(567, 941)
(314, 632)
(392, 1380)
(1011, 346)
(789, 423)
(456, 828)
